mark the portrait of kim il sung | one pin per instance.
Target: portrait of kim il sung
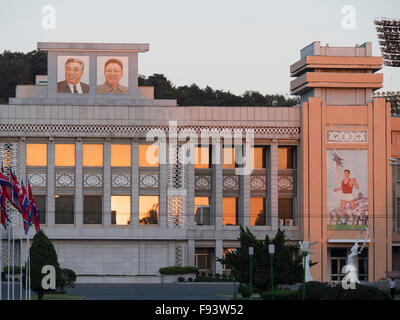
(112, 75)
(73, 74)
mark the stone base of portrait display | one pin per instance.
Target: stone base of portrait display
(173, 278)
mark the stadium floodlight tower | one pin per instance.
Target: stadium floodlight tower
(389, 40)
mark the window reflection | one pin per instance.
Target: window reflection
(120, 210)
(229, 211)
(148, 155)
(92, 155)
(258, 157)
(257, 211)
(120, 155)
(36, 155)
(64, 155)
(202, 213)
(148, 209)
(285, 158)
(202, 157)
(228, 157)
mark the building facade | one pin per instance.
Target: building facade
(127, 183)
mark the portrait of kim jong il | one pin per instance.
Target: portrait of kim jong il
(113, 75)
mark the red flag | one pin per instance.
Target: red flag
(34, 209)
(23, 200)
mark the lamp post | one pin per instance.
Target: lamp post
(271, 250)
(251, 252)
(304, 249)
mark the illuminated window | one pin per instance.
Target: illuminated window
(258, 157)
(120, 155)
(228, 157)
(41, 203)
(148, 209)
(285, 158)
(257, 211)
(120, 210)
(64, 155)
(92, 210)
(202, 214)
(36, 155)
(202, 157)
(92, 155)
(148, 155)
(229, 211)
(64, 209)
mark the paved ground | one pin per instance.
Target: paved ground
(176, 291)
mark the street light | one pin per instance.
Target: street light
(271, 250)
(251, 252)
(304, 249)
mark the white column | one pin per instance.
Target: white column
(244, 197)
(217, 190)
(78, 183)
(135, 185)
(191, 253)
(107, 183)
(218, 254)
(274, 185)
(50, 219)
(22, 161)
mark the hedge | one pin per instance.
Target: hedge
(280, 295)
(314, 290)
(178, 270)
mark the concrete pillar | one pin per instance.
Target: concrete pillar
(22, 161)
(163, 185)
(217, 190)
(244, 197)
(78, 183)
(135, 185)
(50, 207)
(142, 257)
(190, 196)
(274, 185)
(218, 254)
(107, 183)
(191, 261)
(171, 253)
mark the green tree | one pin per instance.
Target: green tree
(287, 261)
(41, 253)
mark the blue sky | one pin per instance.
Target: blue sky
(226, 44)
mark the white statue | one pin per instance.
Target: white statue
(350, 269)
(305, 246)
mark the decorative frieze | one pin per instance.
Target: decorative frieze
(37, 179)
(230, 183)
(93, 180)
(148, 180)
(348, 136)
(258, 183)
(285, 182)
(121, 180)
(202, 183)
(65, 180)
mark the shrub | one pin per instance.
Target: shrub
(17, 270)
(361, 292)
(181, 279)
(210, 274)
(178, 270)
(280, 295)
(224, 276)
(190, 279)
(244, 290)
(68, 278)
(217, 275)
(314, 290)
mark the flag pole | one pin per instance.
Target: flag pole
(29, 265)
(8, 262)
(1, 260)
(26, 268)
(20, 263)
(13, 261)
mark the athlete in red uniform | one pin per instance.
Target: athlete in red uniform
(347, 193)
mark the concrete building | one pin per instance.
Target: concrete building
(114, 203)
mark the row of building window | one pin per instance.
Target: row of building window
(148, 210)
(36, 155)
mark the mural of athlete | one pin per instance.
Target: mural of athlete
(347, 193)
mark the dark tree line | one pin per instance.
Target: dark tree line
(194, 96)
(21, 68)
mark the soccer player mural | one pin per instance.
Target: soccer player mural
(347, 189)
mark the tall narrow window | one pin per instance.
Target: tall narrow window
(285, 158)
(257, 211)
(41, 202)
(92, 155)
(202, 214)
(285, 209)
(36, 155)
(120, 155)
(258, 155)
(202, 157)
(148, 209)
(92, 210)
(64, 209)
(229, 211)
(148, 155)
(120, 210)
(228, 157)
(64, 155)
